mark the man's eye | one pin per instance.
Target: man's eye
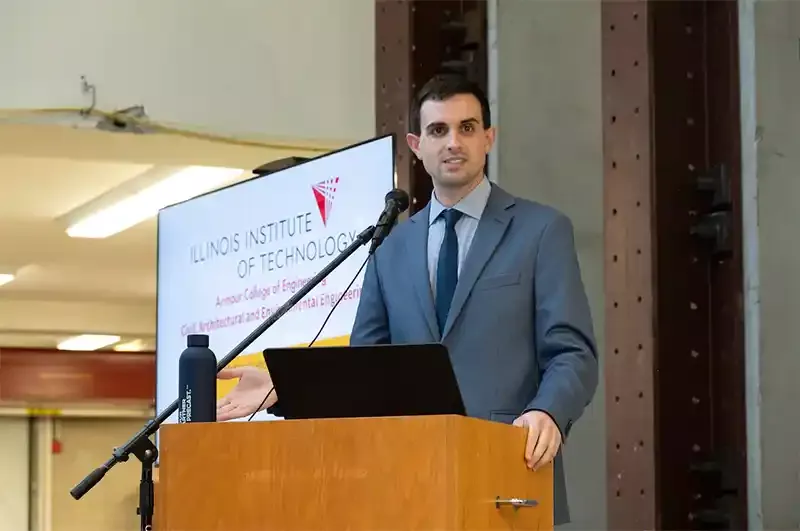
(438, 130)
(469, 128)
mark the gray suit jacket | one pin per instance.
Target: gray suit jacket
(519, 330)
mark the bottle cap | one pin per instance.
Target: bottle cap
(197, 340)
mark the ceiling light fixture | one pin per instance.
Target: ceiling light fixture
(137, 345)
(142, 198)
(5, 278)
(87, 342)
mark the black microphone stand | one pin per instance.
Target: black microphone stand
(141, 446)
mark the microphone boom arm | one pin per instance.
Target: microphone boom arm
(140, 444)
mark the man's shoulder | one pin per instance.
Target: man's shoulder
(400, 234)
(534, 212)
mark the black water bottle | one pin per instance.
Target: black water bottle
(197, 381)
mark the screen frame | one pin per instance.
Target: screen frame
(255, 176)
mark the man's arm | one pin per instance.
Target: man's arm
(371, 325)
(565, 339)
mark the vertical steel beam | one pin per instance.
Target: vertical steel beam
(675, 367)
(414, 40)
(393, 83)
(629, 276)
(700, 362)
(724, 481)
(683, 310)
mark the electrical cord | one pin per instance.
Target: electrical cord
(321, 328)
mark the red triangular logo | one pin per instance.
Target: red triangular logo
(324, 193)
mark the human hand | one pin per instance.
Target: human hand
(544, 438)
(246, 397)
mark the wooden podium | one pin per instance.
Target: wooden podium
(377, 474)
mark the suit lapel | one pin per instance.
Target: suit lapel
(417, 247)
(491, 228)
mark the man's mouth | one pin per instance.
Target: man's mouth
(455, 160)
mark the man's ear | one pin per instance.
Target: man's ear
(413, 143)
(491, 136)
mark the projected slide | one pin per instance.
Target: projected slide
(228, 259)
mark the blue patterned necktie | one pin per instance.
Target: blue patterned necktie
(447, 269)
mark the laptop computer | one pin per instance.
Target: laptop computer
(364, 381)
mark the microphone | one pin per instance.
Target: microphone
(396, 203)
(197, 381)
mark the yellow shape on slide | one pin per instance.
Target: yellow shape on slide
(256, 359)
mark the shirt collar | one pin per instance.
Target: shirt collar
(472, 204)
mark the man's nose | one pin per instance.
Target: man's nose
(453, 141)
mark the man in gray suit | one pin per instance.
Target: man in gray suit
(493, 277)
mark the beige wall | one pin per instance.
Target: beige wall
(14, 471)
(282, 68)
(550, 150)
(774, 353)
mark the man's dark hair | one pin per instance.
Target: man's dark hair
(444, 86)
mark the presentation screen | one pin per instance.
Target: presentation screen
(227, 260)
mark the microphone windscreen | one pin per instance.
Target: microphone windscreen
(400, 197)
